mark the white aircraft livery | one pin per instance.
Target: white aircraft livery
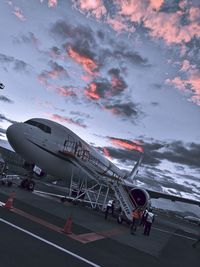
(56, 150)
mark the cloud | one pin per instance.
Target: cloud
(2, 130)
(5, 99)
(74, 121)
(19, 14)
(18, 65)
(176, 152)
(87, 63)
(57, 71)
(95, 8)
(126, 144)
(51, 3)
(16, 11)
(103, 88)
(3, 118)
(28, 38)
(66, 91)
(123, 109)
(190, 85)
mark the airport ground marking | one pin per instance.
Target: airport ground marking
(168, 232)
(83, 238)
(49, 243)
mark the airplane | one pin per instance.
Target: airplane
(54, 149)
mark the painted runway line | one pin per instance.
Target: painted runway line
(49, 243)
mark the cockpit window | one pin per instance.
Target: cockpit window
(39, 125)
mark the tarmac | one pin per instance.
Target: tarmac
(36, 231)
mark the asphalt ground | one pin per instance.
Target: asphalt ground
(32, 235)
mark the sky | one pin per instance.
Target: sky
(124, 75)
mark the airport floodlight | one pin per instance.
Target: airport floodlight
(2, 86)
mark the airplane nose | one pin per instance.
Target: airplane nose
(14, 135)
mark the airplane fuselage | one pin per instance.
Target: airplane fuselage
(56, 150)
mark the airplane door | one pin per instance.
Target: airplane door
(70, 144)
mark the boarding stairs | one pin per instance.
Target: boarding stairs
(123, 198)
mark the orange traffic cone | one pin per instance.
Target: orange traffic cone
(9, 202)
(68, 225)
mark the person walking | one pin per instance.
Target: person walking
(144, 216)
(148, 222)
(110, 206)
(136, 215)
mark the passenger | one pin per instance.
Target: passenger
(144, 216)
(148, 222)
(136, 215)
(110, 206)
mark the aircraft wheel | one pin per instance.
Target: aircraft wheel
(31, 186)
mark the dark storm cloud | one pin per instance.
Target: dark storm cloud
(55, 51)
(133, 57)
(179, 152)
(124, 109)
(66, 31)
(176, 152)
(3, 118)
(83, 41)
(55, 72)
(118, 83)
(157, 180)
(128, 157)
(5, 99)
(18, 65)
(103, 88)
(57, 68)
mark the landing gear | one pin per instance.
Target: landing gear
(28, 184)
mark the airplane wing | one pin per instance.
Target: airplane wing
(156, 195)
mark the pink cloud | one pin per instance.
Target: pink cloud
(187, 67)
(86, 78)
(118, 25)
(192, 82)
(129, 145)
(51, 3)
(59, 118)
(88, 64)
(106, 152)
(18, 13)
(156, 4)
(166, 26)
(65, 91)
(91, 91)
(96, 8)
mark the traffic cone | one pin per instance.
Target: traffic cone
(9, 202)
(68, 225)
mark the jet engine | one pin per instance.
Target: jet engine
(139, 197)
